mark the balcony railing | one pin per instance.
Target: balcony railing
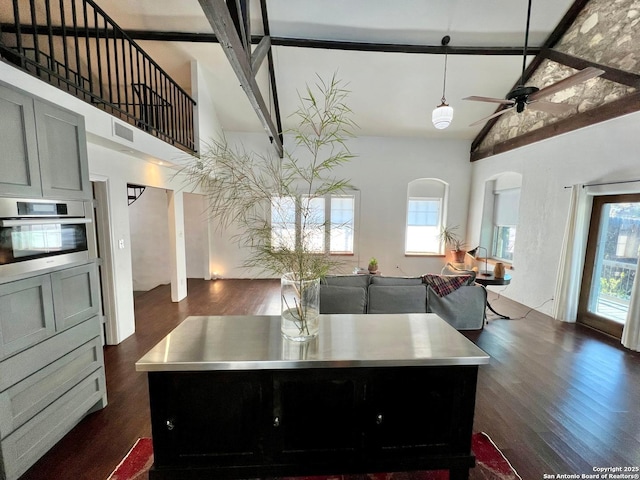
(616, 278)
(74, 45)
(616, 282)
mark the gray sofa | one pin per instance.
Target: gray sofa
(463, 308)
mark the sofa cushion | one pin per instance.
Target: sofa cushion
(346, 280)
(336, 299)
(463, 309)
(397, 299)
(395, 281)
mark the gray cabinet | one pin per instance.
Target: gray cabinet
(62, 147)
(44, 149)
(26, 314)
(35, 308)
(51, 362)
(19, 160)
(75, 295)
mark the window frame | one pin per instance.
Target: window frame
(489, 227)
(497, 226)
(429, 189)
(438, 225)
(328, 225)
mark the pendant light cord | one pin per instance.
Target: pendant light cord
(445, 42)
(526, 44)
(444, 83)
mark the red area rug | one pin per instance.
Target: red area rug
(491, 464)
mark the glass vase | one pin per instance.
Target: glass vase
(300, 300)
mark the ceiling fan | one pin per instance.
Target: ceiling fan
(530, 97)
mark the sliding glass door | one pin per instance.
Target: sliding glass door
(610, 263)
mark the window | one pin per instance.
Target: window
(505, 221)
(425, 213)
(283, 222)
(423, 225)
(312, 221)
(342, 224)
(500, 216)
(611, 263)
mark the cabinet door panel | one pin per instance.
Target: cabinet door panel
(21, 365)
(205, 418)
(19, 160)
(62, 147)
(22, 401)
(317, 414)
(28, 443)
(75, 295)
(421, 409)
(26, 313)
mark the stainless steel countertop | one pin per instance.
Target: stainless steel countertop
(255, 343)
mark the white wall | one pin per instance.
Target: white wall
(207, 124)
(196, 236)
(604, 152)
(149, 227)
(119, 169)
(382, 171)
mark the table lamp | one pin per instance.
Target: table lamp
(473, 254)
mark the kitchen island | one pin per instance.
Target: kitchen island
(231, 398)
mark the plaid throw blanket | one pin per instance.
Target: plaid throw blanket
(445, 284)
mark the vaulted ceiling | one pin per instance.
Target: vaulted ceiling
(390, 55)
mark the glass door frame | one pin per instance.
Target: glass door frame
(585, 316)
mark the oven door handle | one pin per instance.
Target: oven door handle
(44, 221)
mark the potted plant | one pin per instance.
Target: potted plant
(450, 238)
(373, 265)
(251, 190)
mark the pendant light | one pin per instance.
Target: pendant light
(443, 113)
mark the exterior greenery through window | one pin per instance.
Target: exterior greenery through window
(329, 223)
(426, 199)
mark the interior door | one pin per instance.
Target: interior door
(610, 262)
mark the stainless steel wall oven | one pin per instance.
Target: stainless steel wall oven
(40, 234)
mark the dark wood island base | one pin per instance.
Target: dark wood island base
(346, 407)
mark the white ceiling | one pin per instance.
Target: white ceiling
(392, 93)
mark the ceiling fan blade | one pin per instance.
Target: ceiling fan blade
(489, 99)
(550, 107)
(493, 115)
(581, 76)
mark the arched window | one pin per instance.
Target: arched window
(426, 214)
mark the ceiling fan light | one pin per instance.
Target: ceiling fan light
(442, 116)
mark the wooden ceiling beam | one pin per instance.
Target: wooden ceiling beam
(154, 35)
(162, 36)
(239, 11)
(610, 73)
(223, 26)
(272, 75)
(617, 108)
(259, 53)
(397, 47)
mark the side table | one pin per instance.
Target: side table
(489, 279)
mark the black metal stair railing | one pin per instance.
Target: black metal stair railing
(134, 192)
(75, 46)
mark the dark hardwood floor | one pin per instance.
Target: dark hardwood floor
(556, 398)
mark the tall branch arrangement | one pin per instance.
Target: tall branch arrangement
(248, 189)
